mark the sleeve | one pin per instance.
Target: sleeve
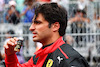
(12, 61)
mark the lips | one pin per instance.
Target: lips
(34, 34)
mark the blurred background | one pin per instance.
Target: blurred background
(83, 30)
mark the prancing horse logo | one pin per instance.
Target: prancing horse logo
(49, 63)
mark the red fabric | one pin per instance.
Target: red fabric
(12, 61)
(42, 53)
(45, 0)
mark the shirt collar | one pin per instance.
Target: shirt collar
(46, 45)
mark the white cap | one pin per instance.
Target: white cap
(12, 2)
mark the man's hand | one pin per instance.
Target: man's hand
(9, 47)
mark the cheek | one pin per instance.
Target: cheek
(44, 31)
(42, 28)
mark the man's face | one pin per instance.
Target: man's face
(40, 29)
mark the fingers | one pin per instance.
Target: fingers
(9, 47)
(6, 46)
(15, 38)
(11, 42)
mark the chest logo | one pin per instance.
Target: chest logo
(59, 59)
(49, 63)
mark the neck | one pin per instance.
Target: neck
(50, 40)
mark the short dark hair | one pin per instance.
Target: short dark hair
(53, 13)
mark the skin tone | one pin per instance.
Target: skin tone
(41, 33)
(9, 47)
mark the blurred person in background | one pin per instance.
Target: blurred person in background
(2, 3)
(78, 24)
(20, 5)
(28, 11)
(2, 62)
(90, 9)
(48, 27)
(64, 3)
(82, 4)
(69, 39)
(12, 15)
(6, 1)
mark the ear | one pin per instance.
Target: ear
(56, 26)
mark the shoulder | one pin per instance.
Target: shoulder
(73, 57)
(68, 50)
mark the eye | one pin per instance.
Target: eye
(36, 22)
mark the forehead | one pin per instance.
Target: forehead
(38, 17)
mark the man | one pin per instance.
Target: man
(48, 27)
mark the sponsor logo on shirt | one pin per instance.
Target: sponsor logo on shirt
(59, 59)
(49, 63)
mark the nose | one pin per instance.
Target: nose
(32, 27)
